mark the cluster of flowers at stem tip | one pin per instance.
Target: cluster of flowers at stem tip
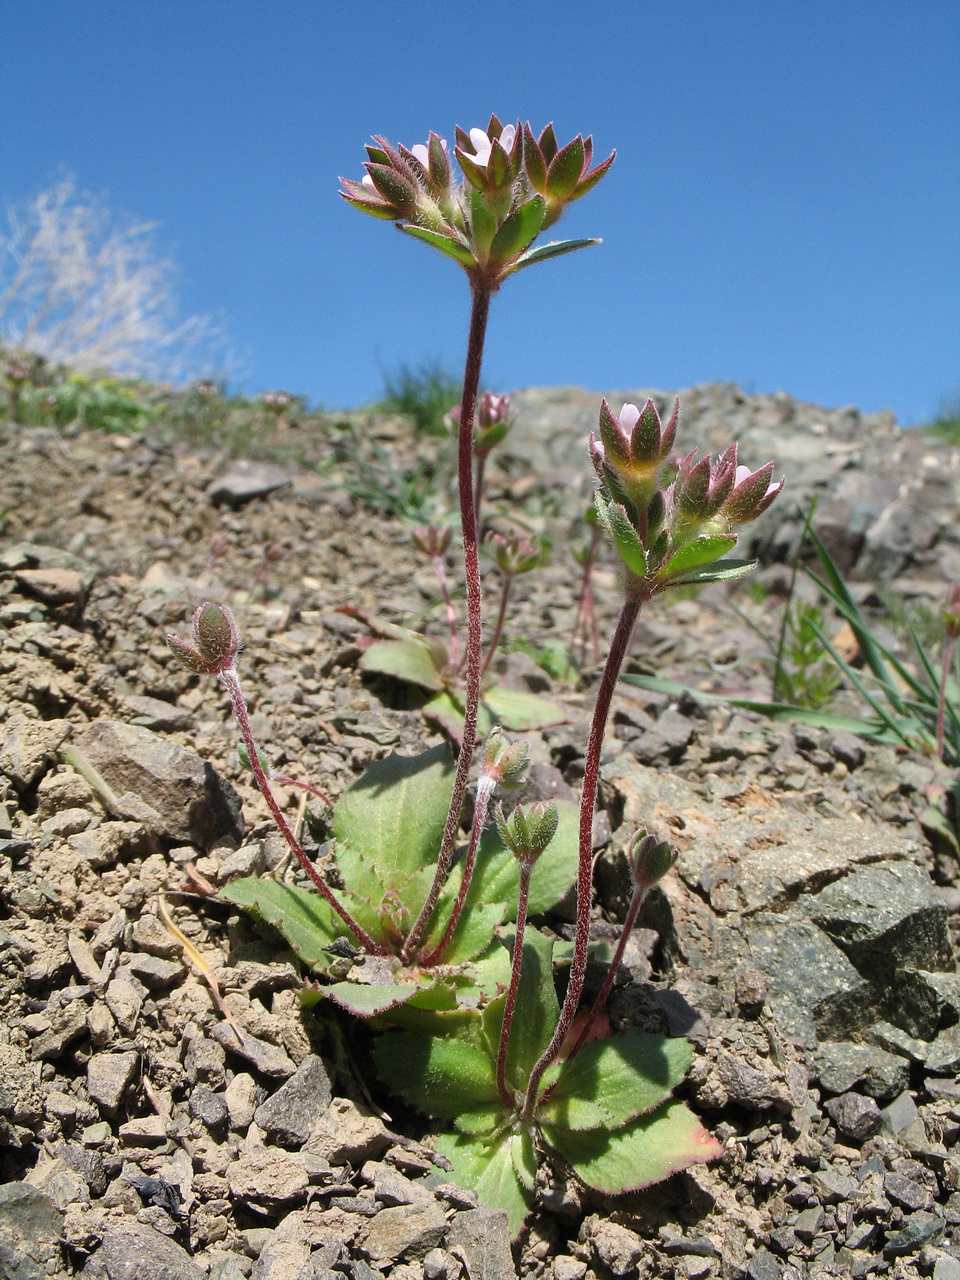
(527, 831)
(492, 421)
(514, 186)
(216, 641)
(664, 531)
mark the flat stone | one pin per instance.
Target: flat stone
(246, 479)
(842, 1065)
(240, 1096)
(480, 1238)
(921, 1002)
(170, 789)
(901, 1112)
(886, 1036)
(407, 1231)
(105, 844)
(109, 1076)
(616, 1248)
(29, 746)
(270, 1175)
(154, 713)
(392, 1188)
(943, 1057)
(30, 1229)
(54, 586)
(154, 972)
(268, 1059)
(144, 1131)
(813, 990)
(885, 918)
(135, 1251)
(289, 1115)
(346, 1135)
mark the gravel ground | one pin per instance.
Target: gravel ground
(805, 942)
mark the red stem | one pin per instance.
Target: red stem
(237, 702)
(485, 789)
(282, 781)
(498, 629)
(588, 800)
(508, 1008)
(480, 311)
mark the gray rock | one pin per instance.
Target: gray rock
(616, 1248)
(153, 971)
(289, 1115)
(480, 1238)
(268, 1175)
(842, 1066)
(407, 1231)
(21, 1097)
(886, 1036)
(30, 1230)
(69, 1025)
(885, 917)
(666, 740)
(246, 479)
(29, 746)
(168, 788)
(901, 1112)
(209, 1107)
(135, 1251)
(391, 1187)
(813, 989)
(855, 1115)
(109, 1075)
(154, 713)
(269, 1059)
(944, 1055)
(103, 846)
(764, 1266)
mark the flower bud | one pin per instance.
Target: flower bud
(504, 762)
(630, 455)
(433, 542)
(650, 860)
(513, 554)
(216, 641)
(527, 834)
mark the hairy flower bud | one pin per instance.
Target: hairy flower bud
(650, 860)
(433, 542)
(216, 641)
(527, 833)
(504, 762)
(632, 451)
(514, 554)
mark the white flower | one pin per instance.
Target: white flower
(483, 145)
(422, 151)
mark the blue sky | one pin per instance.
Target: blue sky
(783, 212)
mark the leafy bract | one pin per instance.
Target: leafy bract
(645, 1151)
(446, 244)
(552, 249)
(699, 551)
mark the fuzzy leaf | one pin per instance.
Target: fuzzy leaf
(552, 249)
(393, 815)
(697, 552)
(524, 1160)
(367, 1001)
(301, 915)
(519, 229)
(482, 221)
(521, 711)
(442, 1078)
(481, 1119)
(409, 660)
(616, 524)
(487, 1167)
(474, 930)
(645, 1151)
(719, 571)
(623, 1075)
(452, 248)
(446, 711)
(497, 876)
(565, 169)
(537, 1009)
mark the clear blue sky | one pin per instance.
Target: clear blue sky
(784, 210)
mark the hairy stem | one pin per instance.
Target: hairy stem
(448, 604)
(478, 486)
(525, 869)
(588, 800)
(283, 781)
(479, 314)
(498, 629)
(238, 703)
(485, 789)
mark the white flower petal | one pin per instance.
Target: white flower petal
(629, 416)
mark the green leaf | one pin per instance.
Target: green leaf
(452, 248)
(646, 1151)
(521, 711)
(552, 249)
(566, 169)
(697, 552)
(488, 1168)
(719, 571)
(519, 229)
(497, 876)
(442, 1078)
(623, 1075)
(483, 223)
(537, 1010)
(524, 1160)
(307, 922)
(367, 1001)
(409, 660)
(481, 1119)
(474, 930)
(393, 815)
(625, 538)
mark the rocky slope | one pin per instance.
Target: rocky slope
(805, 942)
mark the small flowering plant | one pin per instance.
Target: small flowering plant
(430, 939)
